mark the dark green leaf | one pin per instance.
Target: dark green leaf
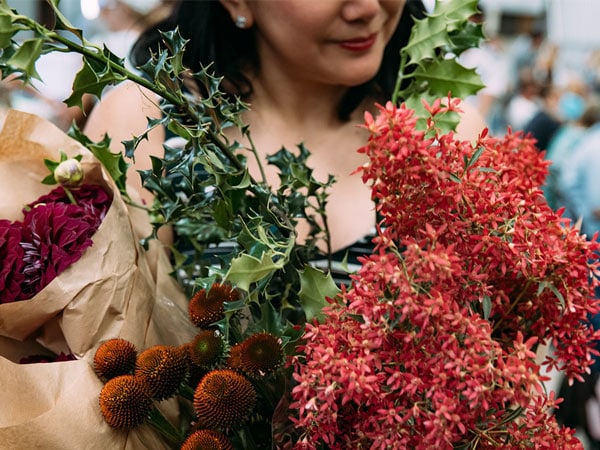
(114, 163)
(427, 35)
(448, 76)
(91, 79)
(316, 287)
(474, 157)
(25, 57)
(486, 304)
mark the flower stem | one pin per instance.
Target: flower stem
(512, 306)
(399, 79)
(166, 430)
(69, 195)
(187, 392)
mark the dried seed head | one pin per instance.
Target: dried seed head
(207, 349)
(223, 399)
(206, 308)
(207, 440)
(234, 361)
(124, 402)
(258, 356)
(115, 357)
(162, 369)
(195, 372)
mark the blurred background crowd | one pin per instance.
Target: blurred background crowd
(113, 23)
(540, 62)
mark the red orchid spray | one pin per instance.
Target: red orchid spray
(434, 343)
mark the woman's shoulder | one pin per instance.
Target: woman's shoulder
(123, 112)
(471, 123)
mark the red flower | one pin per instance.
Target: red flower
(11, 258)
(432, 345)
(86, 195)
(33, 359)
(53, 235)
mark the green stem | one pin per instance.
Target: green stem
(167, 431)
(322, 204)
(256, 157)
(399, 79)
(187, 392)
(69, 195)
(512, 306)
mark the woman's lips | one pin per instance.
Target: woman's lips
(359, 44)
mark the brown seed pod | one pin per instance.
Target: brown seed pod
(162, 369)
(207, 349)
(207, 440)
(124, 402)
(206, 308)
(260, 355)
(234, 361)
(195, 372)
(115, 357)
(223, 399)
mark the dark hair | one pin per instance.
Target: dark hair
(214, 39)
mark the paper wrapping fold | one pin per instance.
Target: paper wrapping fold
(115, 289)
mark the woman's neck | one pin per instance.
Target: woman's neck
(299, 105)
(284, 114)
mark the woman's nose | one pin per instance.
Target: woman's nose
(362, 10)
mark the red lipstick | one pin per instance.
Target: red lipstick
(359, 44)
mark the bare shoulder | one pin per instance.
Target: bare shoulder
(471, 123)
(122, 112)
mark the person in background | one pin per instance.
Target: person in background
(493, 66)
(579, 182)
(309, 71)
(123, 21)
(525, 103)
(578, 115)
(532, 53)
(547, 119)
(578, 190)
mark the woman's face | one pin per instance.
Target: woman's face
(337, 42)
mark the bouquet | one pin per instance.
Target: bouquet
(434, 344)
(84, 278)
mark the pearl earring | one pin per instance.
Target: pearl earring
(241, 21)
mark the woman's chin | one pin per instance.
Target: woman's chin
(357, 74)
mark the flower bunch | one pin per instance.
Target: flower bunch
(433, 345)
(226, 380)
(52, 235)
(34, 359)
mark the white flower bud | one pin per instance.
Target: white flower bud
(69, 173)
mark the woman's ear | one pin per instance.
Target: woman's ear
(239, 11)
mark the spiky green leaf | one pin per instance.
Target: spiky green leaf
(448, 76)
(316, 287)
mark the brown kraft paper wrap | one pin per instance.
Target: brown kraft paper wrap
(116, 289)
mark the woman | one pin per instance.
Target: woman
(308, 69)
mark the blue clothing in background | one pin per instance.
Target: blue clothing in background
(560, 149)
(580, 181)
